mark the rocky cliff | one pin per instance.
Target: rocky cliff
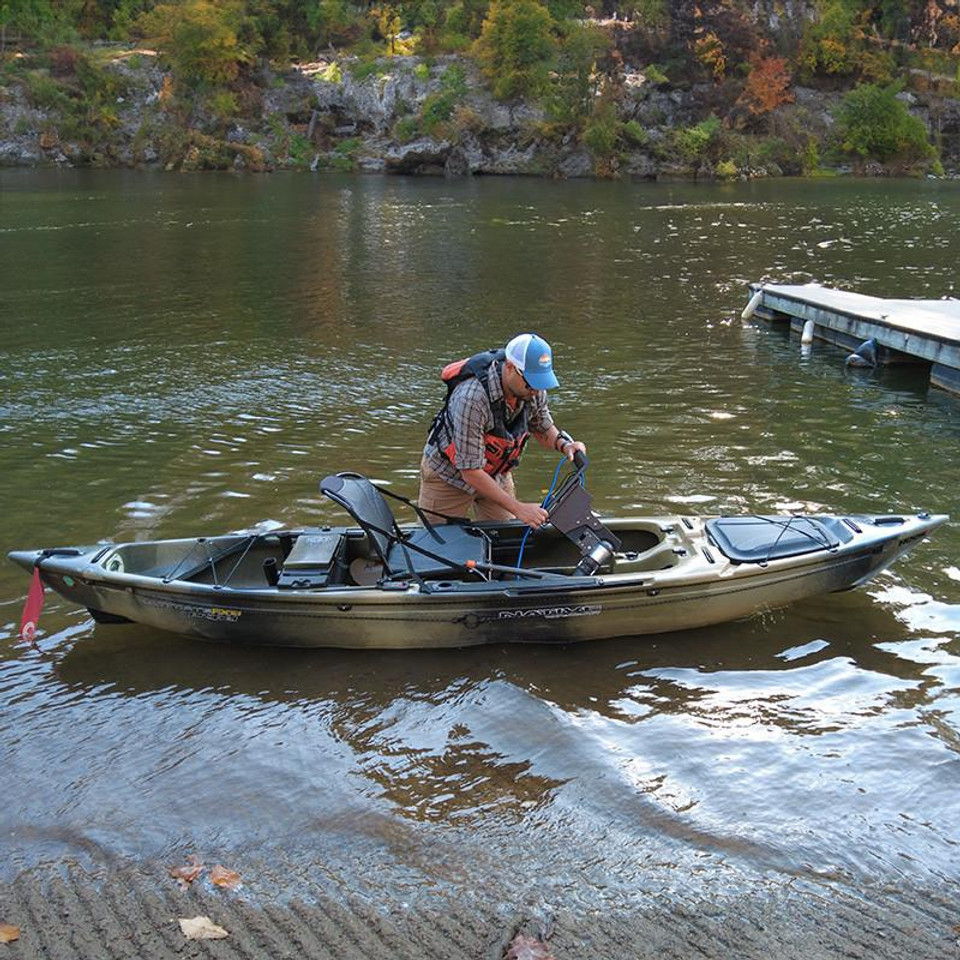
(416, 116)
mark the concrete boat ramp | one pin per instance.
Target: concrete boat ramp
(905, 331)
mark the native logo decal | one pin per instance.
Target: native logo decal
(545, 360)
(227, 614)
(550, 613)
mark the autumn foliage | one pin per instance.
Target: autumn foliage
(767, 86)
(709, 50)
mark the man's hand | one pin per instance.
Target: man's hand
(561, 441)
(571, 447)
(532, 514)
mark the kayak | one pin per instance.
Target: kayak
(378, 584)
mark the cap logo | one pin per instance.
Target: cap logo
(545, 360)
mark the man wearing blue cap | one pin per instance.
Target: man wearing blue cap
(495, 401)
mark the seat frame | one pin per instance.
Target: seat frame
(407, 554)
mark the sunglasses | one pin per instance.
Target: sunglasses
(522, 377)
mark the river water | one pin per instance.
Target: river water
(186, 355)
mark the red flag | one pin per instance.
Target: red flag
(32, 608)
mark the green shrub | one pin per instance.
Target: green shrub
(367, 48)
(602, 131)
(749, 152)
(224, 104)
(421, 71)
(406, 129)
(332, 73)
(454, 81)
(875, 125)
(438, 107)
(727, 170)
(45, 93)
(655, 75)
(453, 42)
(301, 150)
(695, 143)
(635, 134)
(361, 69)
(516, 46)
(810, 157)
(97, 83)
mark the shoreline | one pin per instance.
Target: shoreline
(129, 911)
(383, 118)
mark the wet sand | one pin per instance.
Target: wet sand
(131, 911)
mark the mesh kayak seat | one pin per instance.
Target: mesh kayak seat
(402, 552)
(756, 539)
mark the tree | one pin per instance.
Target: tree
(876, 125)
(40, 20)
(464, 18)
(515, 47)
(332, 21)
(708, 49)
(767, 86)
(829, 45)
(574, 85)
(387, 18)
(199, 39)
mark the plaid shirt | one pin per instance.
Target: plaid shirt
(470, 411)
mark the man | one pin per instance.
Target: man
(495, 401)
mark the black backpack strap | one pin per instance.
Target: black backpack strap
(479, 366)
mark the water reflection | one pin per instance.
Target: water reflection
(594, 676)
(665, 738)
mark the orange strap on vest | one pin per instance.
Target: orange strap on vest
(502, 445)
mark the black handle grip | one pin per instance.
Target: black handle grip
(580, 460)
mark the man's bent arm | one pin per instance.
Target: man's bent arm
(532, 514)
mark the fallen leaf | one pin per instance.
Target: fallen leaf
(9, 933)
(523, 947)
(187, 874)
(224, 877)
(201, 928)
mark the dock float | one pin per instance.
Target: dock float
(905, 331)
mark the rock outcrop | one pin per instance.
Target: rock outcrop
(401, 115)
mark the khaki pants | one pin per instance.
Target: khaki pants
(437, 494)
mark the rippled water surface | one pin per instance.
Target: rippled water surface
(186, 355)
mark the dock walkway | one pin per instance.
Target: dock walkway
(918, 331)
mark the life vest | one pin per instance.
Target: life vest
(503, 444)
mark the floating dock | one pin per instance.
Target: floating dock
(905, 331)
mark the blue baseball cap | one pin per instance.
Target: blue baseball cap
(532, 356)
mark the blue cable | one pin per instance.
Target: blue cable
(529, 530)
